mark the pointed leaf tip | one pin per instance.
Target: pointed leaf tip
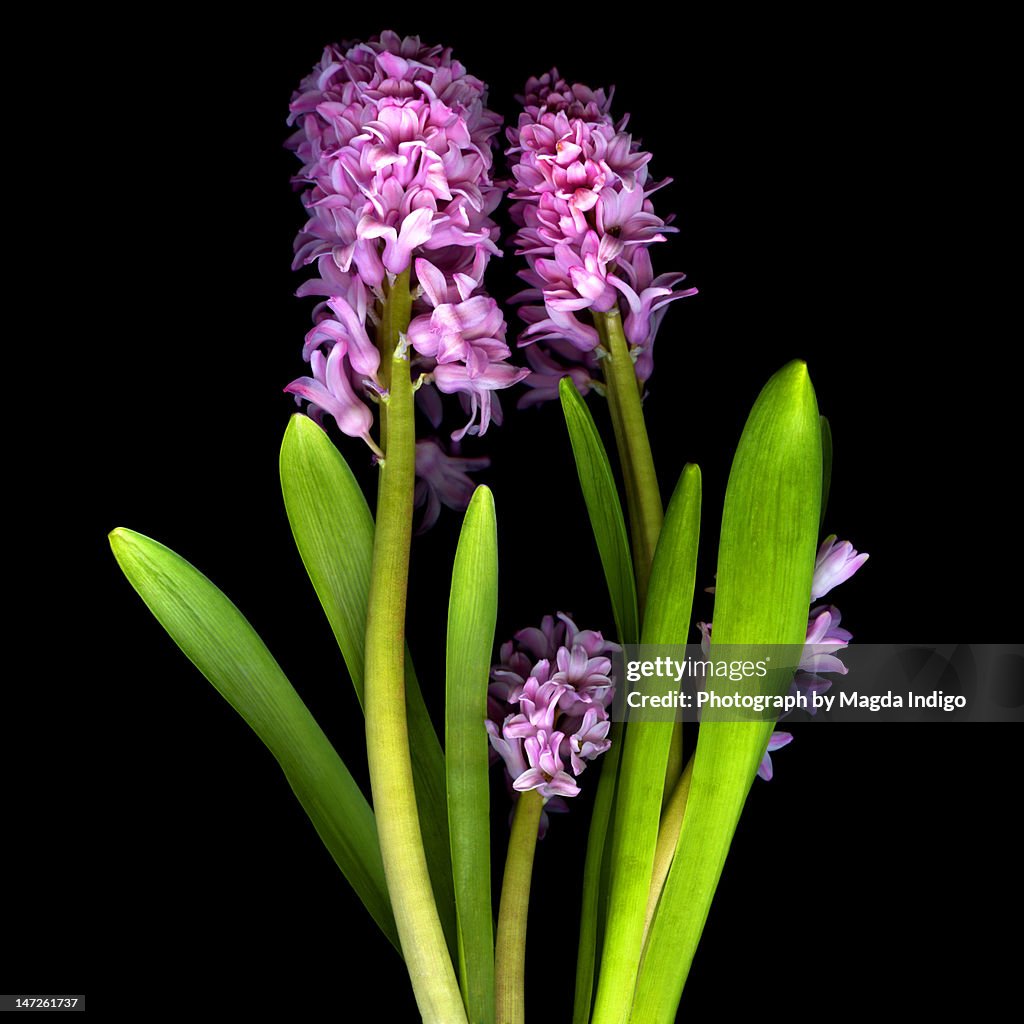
(482, 495)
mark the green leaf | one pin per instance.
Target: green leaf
(604, 509)
(645, 756)
(826, 467)
(218, 640)
(765, 563)
(472, 612)
(609, 529)
(674, 572)
(333, 530)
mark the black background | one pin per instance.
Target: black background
(838, 192)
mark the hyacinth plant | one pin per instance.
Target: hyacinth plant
(398, 151)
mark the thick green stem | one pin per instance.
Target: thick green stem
(387, 737)
(510, 947)
(643, 499)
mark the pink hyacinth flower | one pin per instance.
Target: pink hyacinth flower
(330, 389)
(837, 561)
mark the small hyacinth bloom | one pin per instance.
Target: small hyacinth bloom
(837, 561)
(529, 653)
(351, 328)
(588, 680)
(510, 750)
(555, 327)
(442, 479)
(539, 703)
(470, 332)
(438, 289)
(647, 298)
(824, 637)
(777, 741)
(547, 705)
(454, 378)
(548, 776)
(590, 740)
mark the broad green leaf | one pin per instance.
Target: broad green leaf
(644, 759)
(333, 530)
(472, 612)
(826, 467)
(765, 564)
(604, 509)
(218, 640)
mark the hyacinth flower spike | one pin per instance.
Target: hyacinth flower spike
(547, 718)
(394, 139)
(592, 306)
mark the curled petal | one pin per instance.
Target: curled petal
(330, 390)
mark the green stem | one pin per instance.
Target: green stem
(595, 878)
(387, 737)
(643, 499)
(510, 947)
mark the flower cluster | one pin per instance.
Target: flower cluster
(586, 223)
(548, 705)
(395, 142)
(836, 562)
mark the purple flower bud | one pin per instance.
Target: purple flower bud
(837, 561)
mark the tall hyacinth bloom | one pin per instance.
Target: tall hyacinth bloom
(548, 706)
(394, 138)
(586, 225)
(395, 142)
